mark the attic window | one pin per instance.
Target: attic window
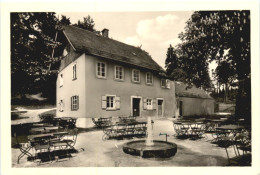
(134, 53)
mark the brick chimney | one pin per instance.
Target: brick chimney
(105, 33)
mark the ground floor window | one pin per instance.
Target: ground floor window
(75, 103)
(149, 103)
(110, 102)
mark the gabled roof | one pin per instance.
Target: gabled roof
(181, 90)
(91, 43)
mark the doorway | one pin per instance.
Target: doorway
(136, 106)
(180, 108)
(160, 107)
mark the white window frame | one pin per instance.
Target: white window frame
(108, 102)
(118, 78)
(61, 80)
(149, 104)
(74, 72)
(151, 78)
(133, 78)
(105, 71)
(74, 103)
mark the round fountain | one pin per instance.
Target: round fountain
(150, 148)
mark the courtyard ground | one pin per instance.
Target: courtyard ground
(95, 152)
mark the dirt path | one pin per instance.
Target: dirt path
(29, 115)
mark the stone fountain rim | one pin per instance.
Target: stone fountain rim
(151, 153)
(171, 144)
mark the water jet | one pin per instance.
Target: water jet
(150, 148)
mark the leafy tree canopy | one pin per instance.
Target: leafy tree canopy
(224, 37)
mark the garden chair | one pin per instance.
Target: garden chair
(243, 143)
(130, 129)
(24, 146)
(43, 152)
(140, 129)
(109, 132)
(180, 130)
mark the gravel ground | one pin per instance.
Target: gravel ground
(94, 152)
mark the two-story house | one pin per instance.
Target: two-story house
(102, 77)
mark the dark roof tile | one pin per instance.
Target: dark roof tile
(91, 43)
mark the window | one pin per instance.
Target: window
(149, 104)
(163, 83)
(101, 70)
(110, 102)
(61, 80)
(61, 106)
(119, 73)
(149, 78)
(136, 76)
(74, 72)
(74, 103)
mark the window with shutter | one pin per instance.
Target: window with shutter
(110, 102)
(149, 104)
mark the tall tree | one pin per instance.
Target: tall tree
(211, 35)
(33, 64)
(225, 74)
(87, 24)
(173, 65)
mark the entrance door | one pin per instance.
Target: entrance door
(180, 108)
(136, 107)
(160, 108)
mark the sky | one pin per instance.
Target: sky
(153, 31)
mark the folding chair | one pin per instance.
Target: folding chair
(24, 146)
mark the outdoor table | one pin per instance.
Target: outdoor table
(40, 136)
(51, 128)
(188, 128)
(231, 128)
(42, 129)
(42, 125)
(60, 133)
(68, 121)
(226, 130)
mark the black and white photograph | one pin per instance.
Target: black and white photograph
(154, 88)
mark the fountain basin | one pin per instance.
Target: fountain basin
(160, 149)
